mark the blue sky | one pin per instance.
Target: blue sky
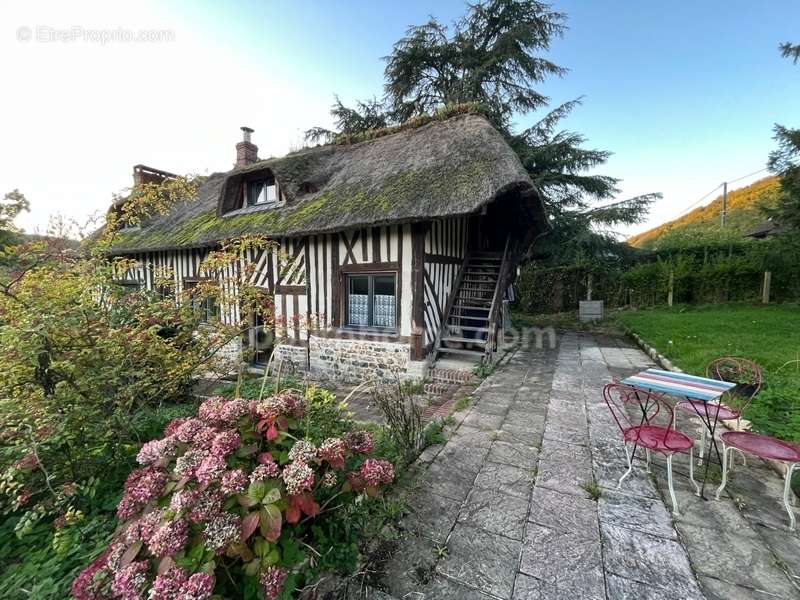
(684, 94)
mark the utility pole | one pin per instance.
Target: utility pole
(724, 202)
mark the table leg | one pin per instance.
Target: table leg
(711, 430)
(787, 489)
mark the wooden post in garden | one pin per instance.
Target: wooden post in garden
(589, 287)
(671, 289)
(765, 289)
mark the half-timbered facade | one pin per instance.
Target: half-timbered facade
(392, 251)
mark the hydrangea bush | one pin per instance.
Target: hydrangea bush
(225, 504)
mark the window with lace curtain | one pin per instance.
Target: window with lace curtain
(371, 301)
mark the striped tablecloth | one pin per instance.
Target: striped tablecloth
(679, 384)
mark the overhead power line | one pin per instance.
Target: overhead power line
(748, 175)
(693, 204)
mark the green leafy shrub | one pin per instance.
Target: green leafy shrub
(776, 408)
(236, 502)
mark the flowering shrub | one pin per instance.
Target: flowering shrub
(227, 501)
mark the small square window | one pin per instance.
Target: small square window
(262, 191)
(206, 307)
(372, 301)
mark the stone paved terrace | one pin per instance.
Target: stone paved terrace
(501, 511)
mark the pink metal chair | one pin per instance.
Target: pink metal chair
(766, 447)
(748, 377)
(648, 433)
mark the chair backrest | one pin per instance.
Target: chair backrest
(747, 375)
(632, 406)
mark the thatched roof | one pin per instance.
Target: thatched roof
(443, 168)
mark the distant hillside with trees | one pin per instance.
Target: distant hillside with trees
(702, 225)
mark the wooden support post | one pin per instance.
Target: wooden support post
(671, 289)
(589, 287)
(417, 290)
(765, 289)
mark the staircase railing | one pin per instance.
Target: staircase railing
(495, 314)
(449, 307)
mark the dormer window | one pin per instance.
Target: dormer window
(261, 191)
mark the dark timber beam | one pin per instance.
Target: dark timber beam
(418, 231)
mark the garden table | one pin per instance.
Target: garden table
(690, 387)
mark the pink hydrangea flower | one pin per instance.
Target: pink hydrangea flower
(172, 426)
(127, 507)
(265, 471)
(226, 443)
(204, 438)
(234, 410)
(188, 429)
(298, 477)
(233, 482)
(130, 581)
(221, 531)
(334, 451)
(206, 507)
(94, 582)
(210, 469)
(303, 451)
(157, 450)
(211, 409)
(167, 586)
(294, 403)
(141, 486)
(329, 479)
(375, 471)
(183, 500)
(360, 442)
(145, 484)
(272, 580)
(144, 527)
(169, 539)
(199, 586)
(187, 463)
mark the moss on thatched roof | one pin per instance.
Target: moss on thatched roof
(442, 168)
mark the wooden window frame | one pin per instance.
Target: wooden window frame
(189, 284)
(371, 274)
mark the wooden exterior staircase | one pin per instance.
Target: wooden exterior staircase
(474, 312)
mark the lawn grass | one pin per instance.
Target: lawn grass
(692, 337)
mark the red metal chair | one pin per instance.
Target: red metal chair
(748, 377)
(766, 447)
(651, 432)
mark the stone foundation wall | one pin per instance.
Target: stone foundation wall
(230, 355)
(295, 358)
(353, 361)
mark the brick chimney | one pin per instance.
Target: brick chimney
(246, 151)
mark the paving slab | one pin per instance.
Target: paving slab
(530, 588)
(481, 560)
(495, 512)
(566, 512)
(639, 513)
(431, 515)
(658, 562)
(740, 558)
(564, 467)
(517, 455)
(442, 588)
(619, 588)
(570, 558)
(506, 479)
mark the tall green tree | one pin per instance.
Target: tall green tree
(13, 203)
(493, 57)
(784, 161)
